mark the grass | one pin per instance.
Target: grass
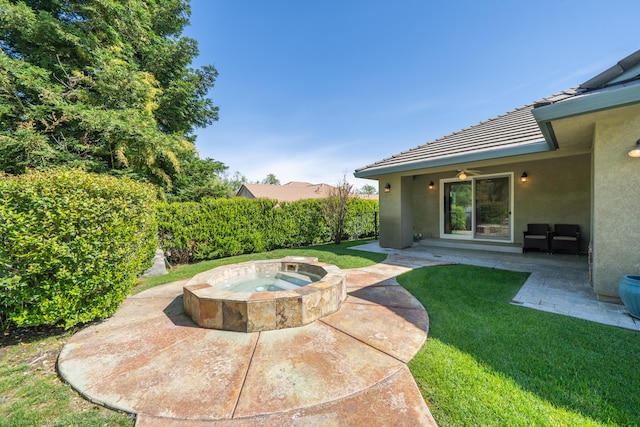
(31, 393)
(339, 255)
(487, 362)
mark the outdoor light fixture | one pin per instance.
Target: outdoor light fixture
(462, 176)
(387, 188)
(431, 184)
(524, 177)
(635, 151)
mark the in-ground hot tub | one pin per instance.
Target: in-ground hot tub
(265, 295)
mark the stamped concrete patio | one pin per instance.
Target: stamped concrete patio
(346, 369)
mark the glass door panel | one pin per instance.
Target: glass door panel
(458, 208)
(493, 216)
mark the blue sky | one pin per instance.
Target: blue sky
(311, 90)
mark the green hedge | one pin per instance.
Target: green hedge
(72, 245)
(216, 228)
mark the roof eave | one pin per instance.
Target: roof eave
(590, 102)
(536, 147)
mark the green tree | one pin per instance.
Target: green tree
(368, 189)
(234, 182)
(198, 179)
(270, 179)
(101, 84)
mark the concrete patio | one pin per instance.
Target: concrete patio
(345, 369)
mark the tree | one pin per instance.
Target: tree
(368, 189)
(270, 179)
(105, 85)
(334, 208)
(234, 182)
(198, 179)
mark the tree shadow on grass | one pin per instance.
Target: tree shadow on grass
(14, 335)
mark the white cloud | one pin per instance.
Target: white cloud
(290, 157)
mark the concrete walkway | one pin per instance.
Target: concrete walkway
(346, 369)
(557, 284)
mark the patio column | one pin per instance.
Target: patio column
(396, 225)
(616, 234)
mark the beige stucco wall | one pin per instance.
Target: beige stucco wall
(616, 203)
(557, 192)
(395, 211)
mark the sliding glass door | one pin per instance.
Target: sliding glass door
(478, 208)
(493, 212)
(458, 207)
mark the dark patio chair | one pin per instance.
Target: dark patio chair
(565, 238)
(537, 237)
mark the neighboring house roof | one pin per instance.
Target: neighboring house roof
(521, 131)
(285, 193)
(290, 191)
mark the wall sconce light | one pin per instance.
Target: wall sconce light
(635, 151)
(431, 185)
(524, 177)
(387, 188)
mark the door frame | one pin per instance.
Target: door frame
(472, 236)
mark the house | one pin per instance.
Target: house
(290, 191)
(566, 159)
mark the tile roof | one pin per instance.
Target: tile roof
(287, 192)
(512, 129)
(291, 191)
(515, 132)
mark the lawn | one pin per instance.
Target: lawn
(338, 255)
(31, 394)
(487, 362)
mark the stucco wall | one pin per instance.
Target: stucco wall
(395, 212)
(616, 203)
(557, 192)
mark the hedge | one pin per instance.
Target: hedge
(72, 245)
(216, 228)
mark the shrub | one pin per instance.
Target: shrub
(458, 218)
(218, 228)
(72, 245)
(361, 220)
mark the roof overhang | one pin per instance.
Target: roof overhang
(590, 102)
(537, 147)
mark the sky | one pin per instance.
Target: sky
(312, 90)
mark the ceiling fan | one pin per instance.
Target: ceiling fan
(464, 173)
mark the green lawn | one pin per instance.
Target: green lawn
(487, 362)
(339, 255)
(31, 394)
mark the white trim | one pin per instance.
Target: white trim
(471, 237)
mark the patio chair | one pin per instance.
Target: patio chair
(565, 238)
(537, 237)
